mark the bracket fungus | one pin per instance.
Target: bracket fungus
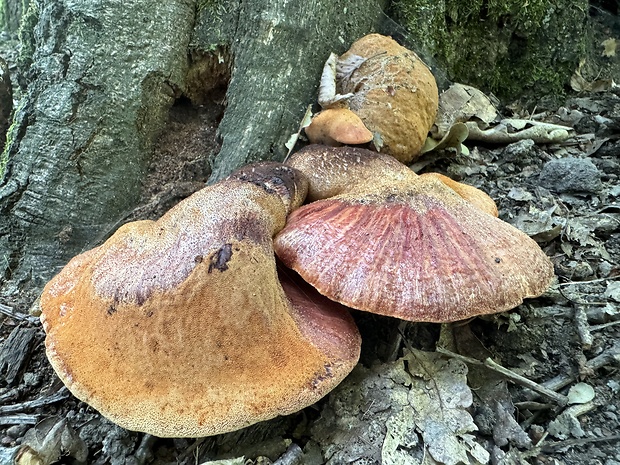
(181, 328)
(336, 127)
(390, 88)
(382, 239)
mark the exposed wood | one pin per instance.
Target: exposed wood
(15, 352)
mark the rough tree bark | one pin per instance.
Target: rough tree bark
(11, 12)
(104, 75)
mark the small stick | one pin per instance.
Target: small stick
(604, 325)
(41, 401)
(10, 312)
(583, 328)
(21, 419)
(553, 447)
(532, 406)
(608, 357)
(293, 456)
(511, 375)
(592, 281)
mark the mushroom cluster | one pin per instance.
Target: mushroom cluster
(388, 87)
(185, 326)
(182, 327)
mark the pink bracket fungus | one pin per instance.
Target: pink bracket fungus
(181, 328)
(390, 88)
(382, 239)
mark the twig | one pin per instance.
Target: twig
(10, 312)
(41, 401)
(293, 456)
(21, 419)
(583, 328)
(532, 406)
(553, 447)
(608, 357)
(511, 375)
(604, 325)
(592, 281)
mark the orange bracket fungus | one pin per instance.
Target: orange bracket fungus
(382, 239)
(181, 328)
(389, 88)
(336, 127)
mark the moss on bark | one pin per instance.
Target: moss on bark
(509, 47)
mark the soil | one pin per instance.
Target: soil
(566, 196)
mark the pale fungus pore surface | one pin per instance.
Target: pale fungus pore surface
(393, 92)
(395, 243)
(180, 327)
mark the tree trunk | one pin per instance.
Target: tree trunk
(278, 50)
(11, 12)
(104, 75)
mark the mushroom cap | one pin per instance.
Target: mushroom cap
(336, 127)
(469, 193)
(403, 245)
(394, 94)
(180, 327)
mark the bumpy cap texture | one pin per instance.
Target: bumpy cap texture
(394, 94)
(181, 328)
(394, 243)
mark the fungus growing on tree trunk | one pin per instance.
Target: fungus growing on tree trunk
(391, 90)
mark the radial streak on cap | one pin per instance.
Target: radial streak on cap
(180, 327)
(394, 243)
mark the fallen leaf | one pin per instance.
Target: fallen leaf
(461, 103)
(52, 438)
(580, 393)
(454, 138)
(440, 396)
(413, 411)
(565, 426)
(613, 291)
(610, 45)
